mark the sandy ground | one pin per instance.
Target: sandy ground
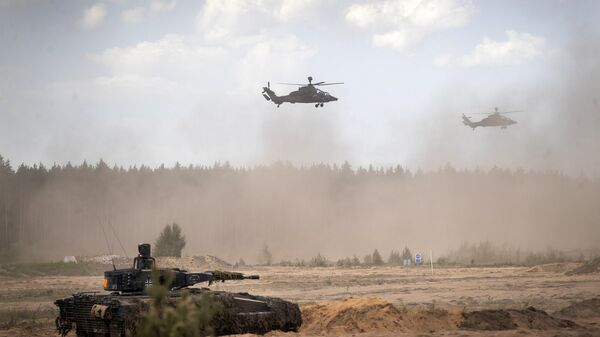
(436, 301)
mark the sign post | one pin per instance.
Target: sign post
(431, 261)
(418, 259)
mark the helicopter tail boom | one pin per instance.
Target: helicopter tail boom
(468, 122)
(270, 95)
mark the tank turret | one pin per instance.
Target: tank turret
(116, 314)
(139, 276)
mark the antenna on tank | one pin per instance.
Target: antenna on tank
(108, 247)
(117, 237)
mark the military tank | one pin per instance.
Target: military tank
(116, 314)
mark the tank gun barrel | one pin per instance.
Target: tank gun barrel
(223, 276)
(210, 277)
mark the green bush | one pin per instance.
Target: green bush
(187, 318)
(348, 262)
(170, 242)
(318, 261)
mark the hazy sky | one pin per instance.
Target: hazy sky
(163, 81)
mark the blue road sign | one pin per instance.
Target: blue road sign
(418, 258)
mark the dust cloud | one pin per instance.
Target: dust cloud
(298, 212)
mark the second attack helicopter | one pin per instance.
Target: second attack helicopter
(495, 118)
(307, 93)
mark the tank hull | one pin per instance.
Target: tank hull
(117, 315)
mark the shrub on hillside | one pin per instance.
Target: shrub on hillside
(318, 261)
(170, 242)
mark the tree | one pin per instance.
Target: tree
(395, 259)
(170, 242)
(318, 261)
(406, 254)
(377, 260)
(265, 257)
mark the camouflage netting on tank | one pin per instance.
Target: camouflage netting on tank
(239, 313)
(238, 318)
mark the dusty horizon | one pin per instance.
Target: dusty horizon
(299, 211)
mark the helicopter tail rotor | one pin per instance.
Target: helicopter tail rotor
(270, 95)
(466, 121)
(265, 88)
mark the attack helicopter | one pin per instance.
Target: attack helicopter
(495, 118)
(307, 93)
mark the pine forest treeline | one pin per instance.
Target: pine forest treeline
(47, 212)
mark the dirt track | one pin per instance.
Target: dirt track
(413, 291)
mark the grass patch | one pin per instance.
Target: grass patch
(11, 317)
(52, 269)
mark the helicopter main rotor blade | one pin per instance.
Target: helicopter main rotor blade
(323, 83)
(297, 84)
(495, 112)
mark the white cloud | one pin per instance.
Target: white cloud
(399, 24)
(139, 14)
(162, 6)
(240, 22)
(93, 16)
(172, 55)
(273, 58)
(397, 39)
(177, 64)
(133, 15)
(118, 87)
(442, 60)
(286, 10)
(519, 48)
(189, 62)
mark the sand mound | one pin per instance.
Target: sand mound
(589, 267)
(529, 318)
(350, 316)
(189, 263)
(584, 309)
(356, 315)
(554, 267)
(193, 263)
